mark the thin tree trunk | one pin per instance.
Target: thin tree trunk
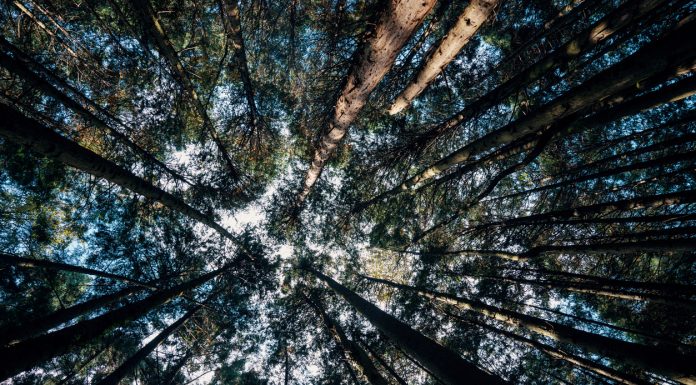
(445, 364)
(670, 53)
(373, 60)
(472, 18)
(652, 163)
(351, 350)
(579, 212)
(21, 64)
(556, 353)
(233, 26)
(384, 363)
(25, 262)
(668, 246)
(14, 333)
(115, 377)
(35, 136)
(594, 289)
(650, 358)
(29, 353)
(154, 29)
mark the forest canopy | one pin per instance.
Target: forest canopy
(357, 192)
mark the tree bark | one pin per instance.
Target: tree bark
(373, 60)
(445, 364)
(384, 363)
(474, 16)
(579, 212)
(115, 377)
(25, 262)
(233, 27)
(12, 334)
(650, 358)
(35, 136)
(21, 64)
(556, 353)
(673, 52)
(29, 353)
(594, 35)
(352, 350)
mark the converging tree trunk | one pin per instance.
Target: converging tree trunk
(351, 349)
(668, 362)
(445, 364)
(14, 333)
(556, 353)
(29, 353)
(473, 17)
(115, 377)
(35, 136)
(155, 30)
(372, 61)
(672, 53)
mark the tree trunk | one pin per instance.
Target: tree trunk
(15, 260)
(650, 358)
(579, 212)
(384, 363)
(14, 333)
(233, 26)
(351, 350)
(29, 353)
(474, 16)
(669, 53)
(556, 353)
(35, 136)
(445, 364)
(604, 29)
(115, 377)
(595, 289)
(153, 28)
(372, 61)
(20, 65)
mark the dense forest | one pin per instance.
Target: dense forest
(382, 192)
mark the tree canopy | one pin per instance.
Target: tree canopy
(347, 192)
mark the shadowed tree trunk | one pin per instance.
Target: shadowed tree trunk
(445, 364)
(14, 333)
(556, 353)
(29, 353)
(25, 262)
(474, 16)
(350, 348)
(35, 136)
(115, 377)
(20, 65)
(233, 25)
(649, 358)
(373, 59)
(384, 363)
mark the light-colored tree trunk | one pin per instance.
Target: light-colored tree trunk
(376, 56)
(472, 18)
(674, 52)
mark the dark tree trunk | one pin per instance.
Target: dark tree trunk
(35, 136)
(650, 358)
(445, 364)
(29, 353)
(132, 362)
